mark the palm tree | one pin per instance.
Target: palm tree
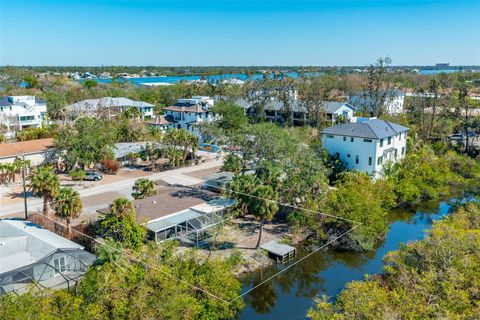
(143, 187)
(241, 188)
(122, 207)
(44, 182)
(264, 206)
(68, 206)
(181, 138)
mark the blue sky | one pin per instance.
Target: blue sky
(45, 32)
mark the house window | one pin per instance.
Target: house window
(400, 137)
(381, 143)
(369, 161)
(403, 151)
(59, 264)
(351, 139)
(367, 140)
(348, 155)
(344, 138)
(389, 140)
(396, 153)
(329, 136)
(380, 160)
(357, 159)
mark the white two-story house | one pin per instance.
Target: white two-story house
(366, 144)
(393, 104)
(188, 114)
(19, 112)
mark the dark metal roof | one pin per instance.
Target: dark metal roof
(4, 102)
(366, 128)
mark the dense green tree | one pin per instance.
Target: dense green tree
(153, 283)
(232, 117)
(31, 81)
(358, 198)
(120, 224)
(86, 142)
(434, 278)
(232, 163)
(423, 175)
(143, 188)
(44, 182)
(56, 104)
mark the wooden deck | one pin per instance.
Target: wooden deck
(278, 251)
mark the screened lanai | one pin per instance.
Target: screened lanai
(31, 256)
(192, 225)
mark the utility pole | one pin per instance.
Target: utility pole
(24, 187)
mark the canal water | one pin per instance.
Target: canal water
(290, 295)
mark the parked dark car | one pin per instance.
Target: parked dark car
(93, 176)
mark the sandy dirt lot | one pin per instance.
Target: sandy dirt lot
(241, 234)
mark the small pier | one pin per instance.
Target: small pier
(280, 252)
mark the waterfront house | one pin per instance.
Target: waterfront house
(32, 255)
(19, 112)
(110, 107)
(366, 144)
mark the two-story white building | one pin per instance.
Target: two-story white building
(187, 114)
(19, 112)
(392, 104)
(366, 144)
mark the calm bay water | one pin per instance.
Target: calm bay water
(241, 76)
(290, 295)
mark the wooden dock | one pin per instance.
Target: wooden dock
(280, 252)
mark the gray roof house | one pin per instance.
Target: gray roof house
(274, 107)
(109, 105)
(33, 256)
(366, 144)
(370, 129)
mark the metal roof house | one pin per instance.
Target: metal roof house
(110, 106)
(33, 256)
(366, 144)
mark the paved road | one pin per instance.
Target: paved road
(101, 196)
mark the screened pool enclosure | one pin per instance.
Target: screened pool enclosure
(192, 226)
